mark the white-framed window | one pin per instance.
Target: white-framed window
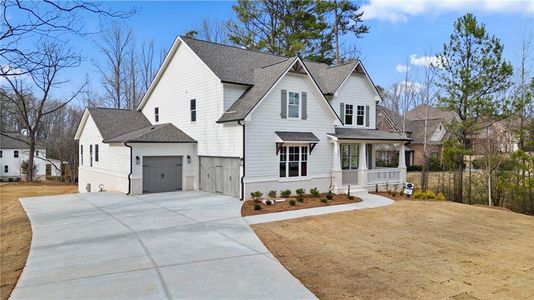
(349, 114)
(193, 109)
(293, 161)
(156, 114)
(349, 156)
(360, 115)
(293, 105)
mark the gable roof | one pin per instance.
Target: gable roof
(395, 118)
(418, 134)
(112, 122)
(161, 133)
(419, 113)
(16, 141)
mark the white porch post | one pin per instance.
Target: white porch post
(402, 162)
(373, 156)
(363, 165)
(337, 174)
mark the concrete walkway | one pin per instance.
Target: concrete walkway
(190, 245)
(368, 201)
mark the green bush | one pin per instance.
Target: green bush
(300, 192)
(315, 192)
(285, 193)
(330, 195)
(324, 200)
(272, 194)
(269, 202)
(257, 206)
(256, 195)
(292, 202)
(300, 198)
(440, 197)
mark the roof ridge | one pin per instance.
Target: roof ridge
(343, 64)
(111, 108)
(279, 62)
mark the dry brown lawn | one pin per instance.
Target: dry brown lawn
(411, 249)
(15, 229)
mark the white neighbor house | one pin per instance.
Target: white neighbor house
(227, 120)
(13, 152)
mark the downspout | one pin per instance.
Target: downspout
(130, 174)
(242, 123)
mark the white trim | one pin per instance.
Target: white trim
(278, 179)
(299, 106)
(84, 119)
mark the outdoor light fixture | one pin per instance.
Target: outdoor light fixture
(189, 159)
(137, 160)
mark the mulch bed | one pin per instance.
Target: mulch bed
(248, 206)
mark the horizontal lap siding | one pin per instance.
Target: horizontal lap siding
(357, 91)
(186, 78)
(261, 160)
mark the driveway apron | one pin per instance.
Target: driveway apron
(178, 245)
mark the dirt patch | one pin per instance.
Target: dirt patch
(410, 249)
(16, 234)
(248, 206)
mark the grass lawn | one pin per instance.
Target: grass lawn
(16, 233)
(411, 249)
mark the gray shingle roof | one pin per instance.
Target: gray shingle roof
(418, 133)
(161, 133)
(419, 113)
(116, 122)
(367, 134)
(16, 141)
(291, 136)
(396, 118)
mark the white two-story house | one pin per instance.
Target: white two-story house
(227, 120)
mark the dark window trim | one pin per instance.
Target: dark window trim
(96, 152)
(6, 169)
(16, 153)
(193, 109)
(156, 114)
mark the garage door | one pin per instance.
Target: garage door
(219, 175)
(162, 174)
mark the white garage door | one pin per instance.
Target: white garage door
(219, 175)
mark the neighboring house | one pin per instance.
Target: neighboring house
(227, 120)
(14, 151)
(389, 120)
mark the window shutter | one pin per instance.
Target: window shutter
(342, 112)
(304, 105)
(367, 116)
(283, 111)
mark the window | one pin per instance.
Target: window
(349, 113)
(81, 154)
(349, 157)
(91, 155)
(193, 108)
(156, 114)
(37, 153)
(16, 153)
(293, 105)
(1, 153)
(96, 152)
(6, 169)
(293, 161)
(360, 115)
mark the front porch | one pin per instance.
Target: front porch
(362, 162)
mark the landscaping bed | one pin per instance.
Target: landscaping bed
(309, 201)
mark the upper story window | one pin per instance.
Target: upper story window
(349, 156)
(349, 114)
(96, 152)
(1, 153)
(6, 169)
(156, 114)
(193, 109)
(293, 105)
(91, 155)
(293, 161)
(81, 154)
(360, 115)
(16, 153)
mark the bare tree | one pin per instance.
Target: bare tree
(148, 67)
(30, 96)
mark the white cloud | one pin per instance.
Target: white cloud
(425, 61)
(402, 68)
(402, 10)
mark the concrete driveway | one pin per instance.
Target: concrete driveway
(154, 246)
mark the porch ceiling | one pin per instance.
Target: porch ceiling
(357, 134)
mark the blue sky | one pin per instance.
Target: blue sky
(398, 30)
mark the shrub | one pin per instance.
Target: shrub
(272, 194)
(417, 194)
(300, 198)
(256, 195)
(429, 195)
(269, 202)
(440, 197)
(315, 192)
(285, 193)
(300, 192)
(330, 195)
(257, 206)
(414, 168)
(324, 200)
(292, 202)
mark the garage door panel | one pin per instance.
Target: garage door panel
(162, 173)
(220, 175)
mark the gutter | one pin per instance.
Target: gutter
(130, 174)
(242, 123)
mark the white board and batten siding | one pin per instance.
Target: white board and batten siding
(112, 168)
(186, 78)
(357, 90)
(262, 162)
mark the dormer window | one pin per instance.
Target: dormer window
(293, 105)
(360, 115)
(349, 113)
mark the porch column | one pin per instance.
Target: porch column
(373, 156)
(402, 162)
(337, 174)
(363, 165)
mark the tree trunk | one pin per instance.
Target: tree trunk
(29, 166)
(459, 182)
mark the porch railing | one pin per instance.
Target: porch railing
(386, 175)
